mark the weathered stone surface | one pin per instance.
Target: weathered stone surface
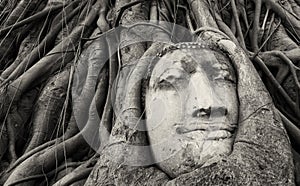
(261, 152)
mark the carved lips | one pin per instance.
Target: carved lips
(211, 131)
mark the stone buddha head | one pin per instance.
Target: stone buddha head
(191, 106)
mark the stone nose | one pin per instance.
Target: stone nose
(213, 111)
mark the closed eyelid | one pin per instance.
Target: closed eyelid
(171, 81)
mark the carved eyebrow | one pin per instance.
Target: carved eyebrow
(179, 69)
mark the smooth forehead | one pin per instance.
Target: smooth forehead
(191, 59)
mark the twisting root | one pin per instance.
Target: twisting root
(238, 24)
(30, 19)
(288, 62)
(39, 176)
(267, 39)
(256, 27)
(122, 10)
(280, 89)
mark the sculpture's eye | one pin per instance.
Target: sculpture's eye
(172, 82)
(226, 79)
(172, 79)
(224, 75)
(164, 84)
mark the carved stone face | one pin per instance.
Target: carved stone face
(192, 109)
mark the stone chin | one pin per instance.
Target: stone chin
(184, 153)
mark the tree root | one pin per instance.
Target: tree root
(48, 109)
(79, 173)
(39, 176)
(282, 73)
(46, 12)
(238, 24)
(289, 101)
(19, 67)
(37, 163)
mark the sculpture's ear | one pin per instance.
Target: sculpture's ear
(261, 141)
